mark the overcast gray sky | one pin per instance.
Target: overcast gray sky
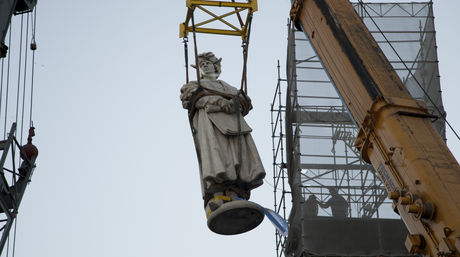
(117, 173)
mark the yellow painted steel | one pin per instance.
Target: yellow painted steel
(396, 135)
(234, 9)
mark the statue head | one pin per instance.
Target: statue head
(209, 64)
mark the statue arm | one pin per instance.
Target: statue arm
(186, 93)
(215, 103)
(212, 102)
(245, 100)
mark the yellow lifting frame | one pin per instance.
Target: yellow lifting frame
(234, 30)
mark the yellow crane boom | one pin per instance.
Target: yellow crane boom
(396, 135)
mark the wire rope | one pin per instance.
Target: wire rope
(34, 27)
(34, 22)
(1, 85)
(25, 79)
(7, 83)
(196, 51)
(18, 106)
(19, 72)
(185, 41)
(22, 82)
(441, 114)
(244, 83)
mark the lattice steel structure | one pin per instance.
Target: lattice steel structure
(320, 134)
(17, 58)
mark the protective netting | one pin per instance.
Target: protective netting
(323, 166)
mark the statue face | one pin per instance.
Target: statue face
(207, 67)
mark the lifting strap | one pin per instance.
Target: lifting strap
(191, 106)
(245, 45)
(240, 100)
(185, 41)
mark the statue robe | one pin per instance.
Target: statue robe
(217, 141)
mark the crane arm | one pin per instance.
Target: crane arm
(7, 9)
(396, 135)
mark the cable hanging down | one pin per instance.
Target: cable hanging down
(17, 68)
(243, 32)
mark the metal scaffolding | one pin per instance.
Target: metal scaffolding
(319, 134)
(278, 111)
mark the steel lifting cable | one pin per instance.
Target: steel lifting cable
(19, 71)
(7, 84)
(196, 51)
(185, 41)
(25, 79)
(239, 16)
(17, 106)
(6, 110)
(244, 84)
(442, 115)
(18, 89)
(243, 88)
(191, 107)
(245, 45)
(1, 85)
(33, 48)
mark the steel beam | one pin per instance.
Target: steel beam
(234, 9)
(321, 117)
(331, 166)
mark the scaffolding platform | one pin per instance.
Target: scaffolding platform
(313, 139)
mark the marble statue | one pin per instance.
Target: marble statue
(228, 159)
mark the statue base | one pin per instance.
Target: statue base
(235, 217)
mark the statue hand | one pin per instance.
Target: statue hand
(245, 104)
(227, 105)
(212, 108)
